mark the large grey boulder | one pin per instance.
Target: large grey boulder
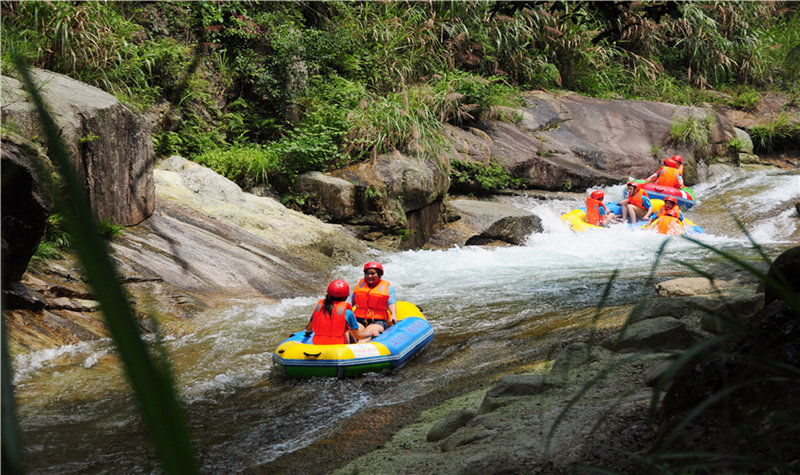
(110, 147)
(569, 141)
(655, 334)
(485, 222)
(287, 231)
(394, 193)
(334, 198)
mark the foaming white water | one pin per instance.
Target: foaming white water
(763, 201)
(85, 354)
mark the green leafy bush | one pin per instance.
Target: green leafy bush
(491, 177)
(746, 100)
(245, 165)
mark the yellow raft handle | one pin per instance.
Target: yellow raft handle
(312, 355)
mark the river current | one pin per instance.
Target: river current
(495, 310)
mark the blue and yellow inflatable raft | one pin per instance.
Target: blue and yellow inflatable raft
(576, 219)
(299, 358)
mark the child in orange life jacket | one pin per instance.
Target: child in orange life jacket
(596, 212)
(668, 175)
(333, 320)
(679, 159)
(375, 299)
(670, 208)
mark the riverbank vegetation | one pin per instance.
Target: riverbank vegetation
(264, 91)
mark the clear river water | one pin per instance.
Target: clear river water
(495, 310)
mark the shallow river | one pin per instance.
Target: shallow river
(494, 310)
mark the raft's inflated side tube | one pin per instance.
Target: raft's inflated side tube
(299, 358)
(685, 195)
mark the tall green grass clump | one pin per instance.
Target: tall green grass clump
(693, 131)
(778, 134)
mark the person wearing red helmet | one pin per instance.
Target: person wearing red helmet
(596, 211)
(679, 159)
(636, 203)
(668, 175)
(670, 208)
(333, 321)
(374, 299)
(668, 218)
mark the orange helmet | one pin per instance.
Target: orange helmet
(338, 289)
(677, 158)
(374, 265)
(597, 195)
(670, 199)
(670, 163)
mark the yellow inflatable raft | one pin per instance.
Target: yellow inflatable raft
(299, 358)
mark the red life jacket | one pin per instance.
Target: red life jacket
(636, 199)
(372, 303)
(330, 329)
(593, 212)
(668, 176)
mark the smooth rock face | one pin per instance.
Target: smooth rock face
(110, 147)
(207, 242)
(572, 142)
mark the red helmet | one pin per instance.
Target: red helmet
(670, 163)
(670, 199)
(597, 195)
(677, 158)
(338, 289)
(374, 265)
(633, 183)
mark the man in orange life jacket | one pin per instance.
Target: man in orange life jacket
(333, 320)
(667, 175)
(596, 211)
(636, 203)
(374, 299)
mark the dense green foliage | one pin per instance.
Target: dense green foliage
(264, 89)
(491, 177)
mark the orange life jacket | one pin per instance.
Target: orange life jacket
(669, 225)
(675, 212)
(372, 303)
(680, 169)
(330, 329)
(668, 176)
(593, 212)
(636, 199)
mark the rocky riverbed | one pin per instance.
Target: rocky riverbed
(598, 404)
